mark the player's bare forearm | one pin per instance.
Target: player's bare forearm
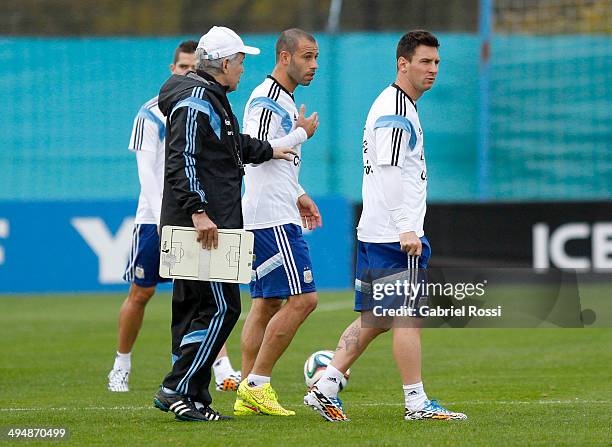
(309, 212)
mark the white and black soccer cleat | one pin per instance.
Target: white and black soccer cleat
(328, 407)
(433, 410)
(183, 408)
(118, 380)
(213, 415)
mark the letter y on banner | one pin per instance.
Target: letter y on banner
(112, 251)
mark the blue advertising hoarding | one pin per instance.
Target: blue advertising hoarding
(84, 246)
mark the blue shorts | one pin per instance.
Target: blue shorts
(282, 266)
(143, 264)
(375, 258)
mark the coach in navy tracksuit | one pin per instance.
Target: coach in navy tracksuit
(205, 153)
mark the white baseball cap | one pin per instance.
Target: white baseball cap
(220, 42)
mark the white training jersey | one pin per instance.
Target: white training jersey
(148, 134)
(392, 137)
(271, 188)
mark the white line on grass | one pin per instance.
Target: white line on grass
(368, 404)
(500, 402)
(78, 408)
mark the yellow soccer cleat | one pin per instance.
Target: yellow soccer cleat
(243, 409)
(263, 398)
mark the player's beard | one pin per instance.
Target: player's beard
(298, 75)
(306, 81)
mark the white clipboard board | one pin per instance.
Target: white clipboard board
(182, 256)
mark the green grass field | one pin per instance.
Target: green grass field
(518, 386)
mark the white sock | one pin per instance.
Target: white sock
(123, 361)
(222, 368)
(255, 380)
(414, 396)
(329, 383)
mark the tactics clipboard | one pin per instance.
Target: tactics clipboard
(182, 256)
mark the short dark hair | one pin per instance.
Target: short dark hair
(411, 40)
(289, 39)
(187, 46)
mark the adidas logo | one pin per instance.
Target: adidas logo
(180, 408)
(332, 379)
(412, 393)
(211, 416)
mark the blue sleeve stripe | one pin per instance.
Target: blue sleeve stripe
(398, 122)
(201, 105)
(191, 126)
(271, 105)
(148, 115)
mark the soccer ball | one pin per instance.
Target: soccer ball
(315, 367)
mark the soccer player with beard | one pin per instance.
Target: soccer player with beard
(390, 232)
(275, 207)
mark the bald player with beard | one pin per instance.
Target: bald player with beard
(275, 207)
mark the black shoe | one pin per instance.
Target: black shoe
(181, 406)
(212, 415)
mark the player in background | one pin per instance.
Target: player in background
(147, 141)
(390, 232)
(274, 208)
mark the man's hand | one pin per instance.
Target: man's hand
(284, 153)
(311, 217)
(309, 124)
(410, 243)
(207, 230)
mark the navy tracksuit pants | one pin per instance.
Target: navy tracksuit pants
(203, 316)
